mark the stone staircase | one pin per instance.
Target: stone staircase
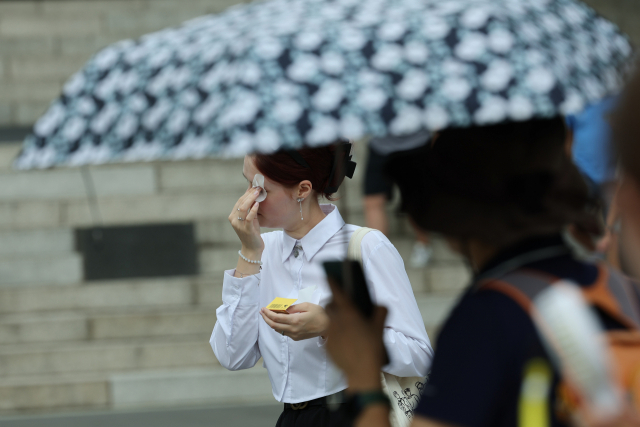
(71, 343)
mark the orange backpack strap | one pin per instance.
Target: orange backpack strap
(614, 294)
(520, 285)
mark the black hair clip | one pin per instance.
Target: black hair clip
(348, 166)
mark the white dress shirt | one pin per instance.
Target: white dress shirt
(301, 370)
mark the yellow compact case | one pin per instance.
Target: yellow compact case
(280, 305)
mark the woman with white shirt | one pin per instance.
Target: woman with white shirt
(281, 263)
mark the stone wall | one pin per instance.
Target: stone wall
(43, 42)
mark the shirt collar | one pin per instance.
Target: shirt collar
(522, 247)
(315, 239)
(527, 253)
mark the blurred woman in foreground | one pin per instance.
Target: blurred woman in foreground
(502, 195)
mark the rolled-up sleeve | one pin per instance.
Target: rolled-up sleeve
(235, 335)
(405, 336)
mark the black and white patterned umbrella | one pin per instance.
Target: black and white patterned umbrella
(288, 73)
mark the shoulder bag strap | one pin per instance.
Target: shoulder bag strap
(402, 408)
(354, 252)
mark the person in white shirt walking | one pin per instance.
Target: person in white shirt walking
(282, 263)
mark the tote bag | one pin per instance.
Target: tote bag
(403, 392)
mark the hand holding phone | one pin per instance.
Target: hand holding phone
(348, 276)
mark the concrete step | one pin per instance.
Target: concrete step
(192, 386)
(95, 325)
(58, 68)
(32, 215)
(175, 206)
(214, 261)
(445, 273)
(42, 392)
(66, 184)
(154, 323)
(203, 175)
(52, 268)
(210, 233)
(118, 355)
(48, 327)
(441, 251)
(440, 278)
(8, 152)
(27, 242)
(161, 292)
(120, 390)
(435, 308)
(157, 208)
(450, 277)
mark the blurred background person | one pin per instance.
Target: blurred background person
(593, 154)
(378, 192)
(592, 148)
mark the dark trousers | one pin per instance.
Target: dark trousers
(311, 416)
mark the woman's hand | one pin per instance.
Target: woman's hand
(355, 343)
(304, 321)
(248, 227)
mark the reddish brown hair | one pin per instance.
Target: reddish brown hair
(282, 168)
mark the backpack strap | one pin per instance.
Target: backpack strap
(523, 286)
(354, 252)
(612, 292)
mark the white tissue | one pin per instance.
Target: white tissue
(305, 294)
(258, 181)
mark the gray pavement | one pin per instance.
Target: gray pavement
(212, 416)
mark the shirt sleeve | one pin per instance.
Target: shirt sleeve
(476, 371)
(235, 335)
(405, 336)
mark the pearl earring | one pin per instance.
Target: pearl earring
(300, 201)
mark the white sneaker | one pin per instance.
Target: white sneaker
(421, 255)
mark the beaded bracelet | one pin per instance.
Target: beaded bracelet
(247, 259)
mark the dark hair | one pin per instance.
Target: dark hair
(282, 168)
(498, 184)
(625, 125)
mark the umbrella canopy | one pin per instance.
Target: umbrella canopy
(287, 73)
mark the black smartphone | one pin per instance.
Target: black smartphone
(349, 277)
